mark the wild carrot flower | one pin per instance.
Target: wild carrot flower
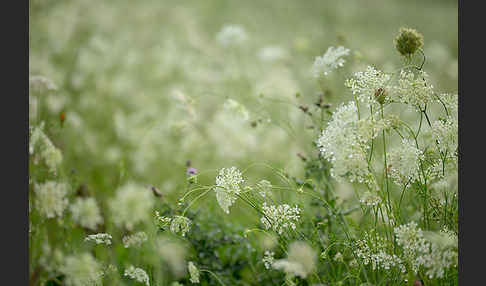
(99, 238)
(193, 271)
(180, 225)
(370, 199)
(331, 60)
(301, 260)
(228, 187)
(268, 259)
(265, 187)
(135, 239)
(50, 199)
(414, 89)
(86, 213)
(343, 144)
(137, 274)
(162, 221)
(404, 163)
(279, 218)
(40, 83)
(82, 270)
(369, 85)
(41, 144)
(131, 205)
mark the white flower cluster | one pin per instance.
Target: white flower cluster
(404, 162)
(445, 131)
(377, 255)
(370, 199)
(265, 187)
(228, 186)
(50, 198)
(268, 259)
(82, 270)
(137, 274)
(301, 260)
(279, 218)
(435, 255)
(193, 271)
(414, 89)
(86, 213)
(41, 145)
(236, 108)
(131, 205)
(180, 225)
(231, 35)
(40, 83)
(331, 60)
(413, 243)
(177, 224)
(368, 85)
(343, 144)
(99, 238)
(135, 239)
(162, 221)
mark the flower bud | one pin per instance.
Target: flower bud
(408, 41)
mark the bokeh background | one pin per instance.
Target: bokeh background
(143, 84)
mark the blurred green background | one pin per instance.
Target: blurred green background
(143, 83)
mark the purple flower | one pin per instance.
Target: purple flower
(191, 171)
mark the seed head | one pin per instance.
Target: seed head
(408, 41)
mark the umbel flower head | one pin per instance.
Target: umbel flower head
(86, 213)
(82, 270)
(51, 200)
(228, 187)
(180, 225)
(280, 217)
(99, 238)
(137, 274)
(131, 205)
(135, 239)
(193, 271)
(408, 41)
(331, 60)
(301, 260)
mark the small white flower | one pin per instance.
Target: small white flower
(86, 213)
(194, 272)
(268, 259)
(370, 199)
(265, 187)
(131, 205)
(404, 163)
(82, 270)
(137, 274)
(180, 225)
(50, 199)
(228, 187)
(366, 84)
(301, 260)
(135, 239)
(414, 89)
(99, 238)
(281, 217)
(331, 60)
